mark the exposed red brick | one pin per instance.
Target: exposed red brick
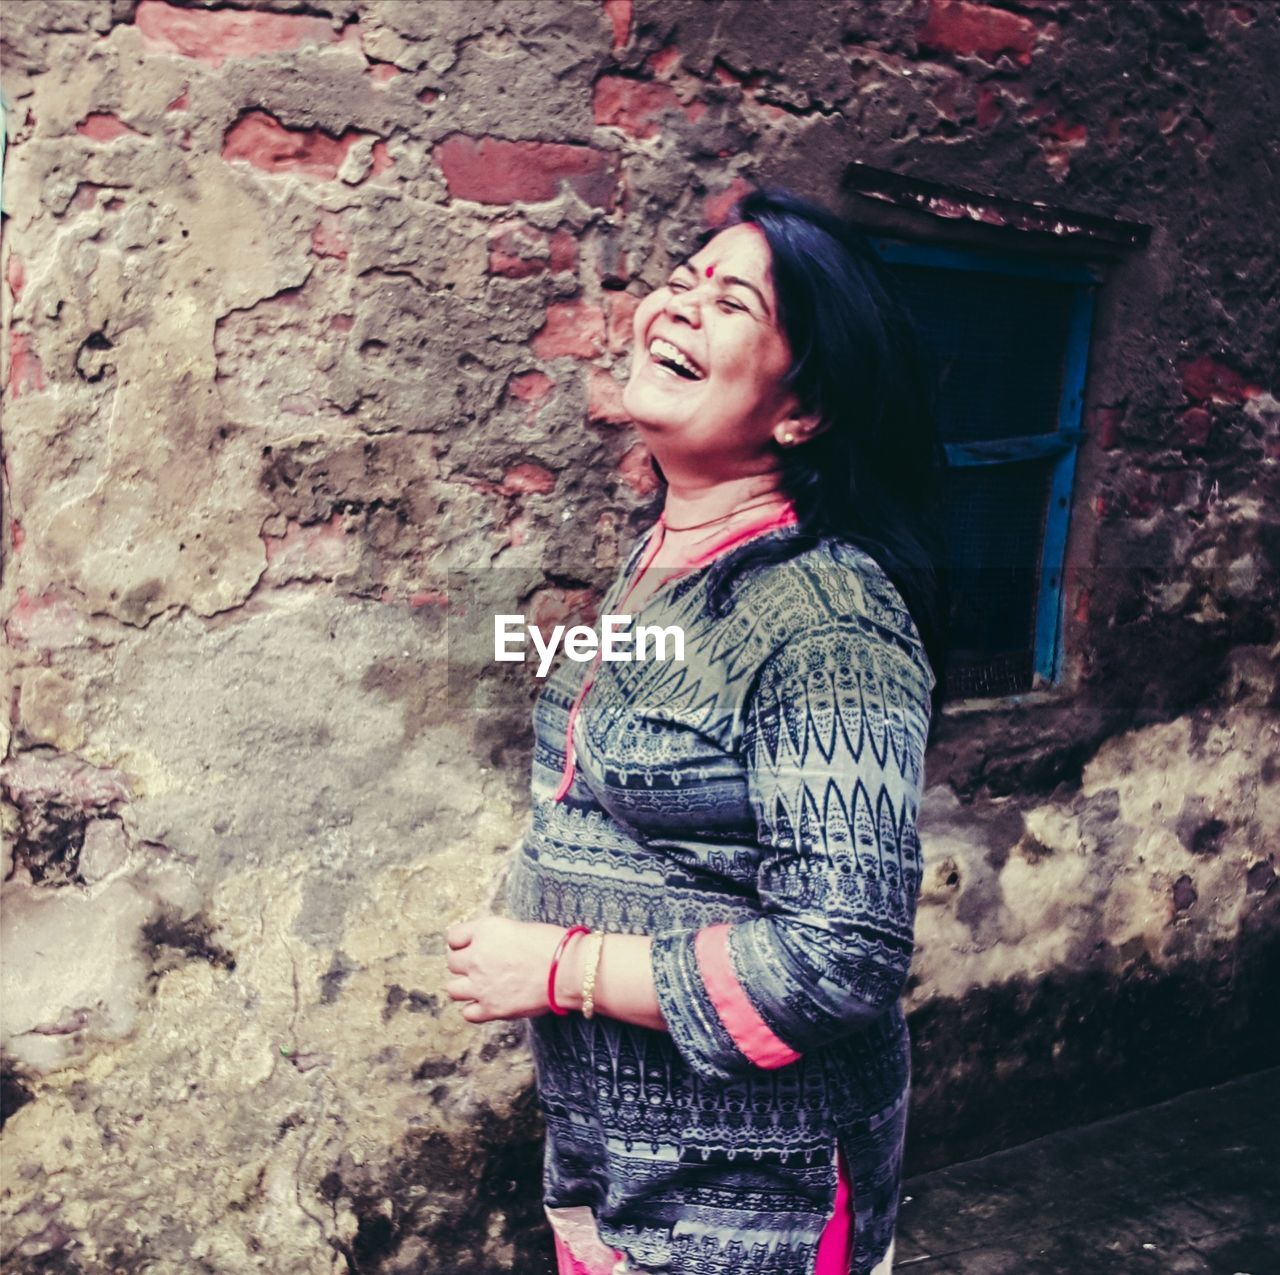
(564, 251)
(383, 72)
(1104, 425)
(1205, 379)
(427, 96)
(620, 309)
(429, 598)
(664, 61)
(1072, 134)
(213, 35)
(1082, 607)
(724, 74)
(604, 398)
(86, 196)
(551, 606)
(715, 208)
(16, 534)
(181, 102)
(990, 106)
(15, 276)
(956, 26)
(491, 170)
(531, 387)
(341, 322)
(572, 328)
(102, 126)
(517, 530)
(26, 375)
(1138, 496)
(636, 106)
(44, 621)
(266, 143)
(38, 777)
(528, 478)
(329, 239)
(479, 484)
(317, 549)
(619, 14)
(516, 250)
(635, 470)
(1197, 423)
(382, 160)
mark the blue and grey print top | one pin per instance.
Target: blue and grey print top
(754, 810)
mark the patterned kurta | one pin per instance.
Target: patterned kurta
(753, 808)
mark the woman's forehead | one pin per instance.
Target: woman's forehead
(741, 250)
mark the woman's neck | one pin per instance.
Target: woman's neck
(693, 504)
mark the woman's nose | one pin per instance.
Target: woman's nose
(685, 305)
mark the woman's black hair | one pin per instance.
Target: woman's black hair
(874, 476)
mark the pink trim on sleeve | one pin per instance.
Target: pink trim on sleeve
(749, 1031)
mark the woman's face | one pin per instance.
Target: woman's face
(717, 315)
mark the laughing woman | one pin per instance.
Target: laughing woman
(711, 918)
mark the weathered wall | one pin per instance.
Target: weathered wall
(307, 306)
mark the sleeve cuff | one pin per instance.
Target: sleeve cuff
(712, 1022)
(752, 1035)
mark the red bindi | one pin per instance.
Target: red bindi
(710, 271)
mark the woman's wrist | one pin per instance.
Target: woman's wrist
(592, 952)
(624, 987)
(576, 971)
(569, 973)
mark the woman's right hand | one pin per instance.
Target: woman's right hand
(502, 967)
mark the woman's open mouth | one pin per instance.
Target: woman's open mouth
(668, 358)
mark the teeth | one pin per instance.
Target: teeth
(660, 349)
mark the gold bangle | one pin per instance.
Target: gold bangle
(591, 964)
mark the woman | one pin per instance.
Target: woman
(724, 1077)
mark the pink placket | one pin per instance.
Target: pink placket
(785, 517)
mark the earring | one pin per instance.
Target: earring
(788, 439)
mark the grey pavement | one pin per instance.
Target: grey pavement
(1188, 1187)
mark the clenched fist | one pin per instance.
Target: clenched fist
(502, 966)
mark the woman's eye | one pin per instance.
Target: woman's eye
(677, 286)
(732, 305)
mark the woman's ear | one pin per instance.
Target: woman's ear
(792, 431)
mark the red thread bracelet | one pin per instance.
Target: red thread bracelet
(555, 965)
